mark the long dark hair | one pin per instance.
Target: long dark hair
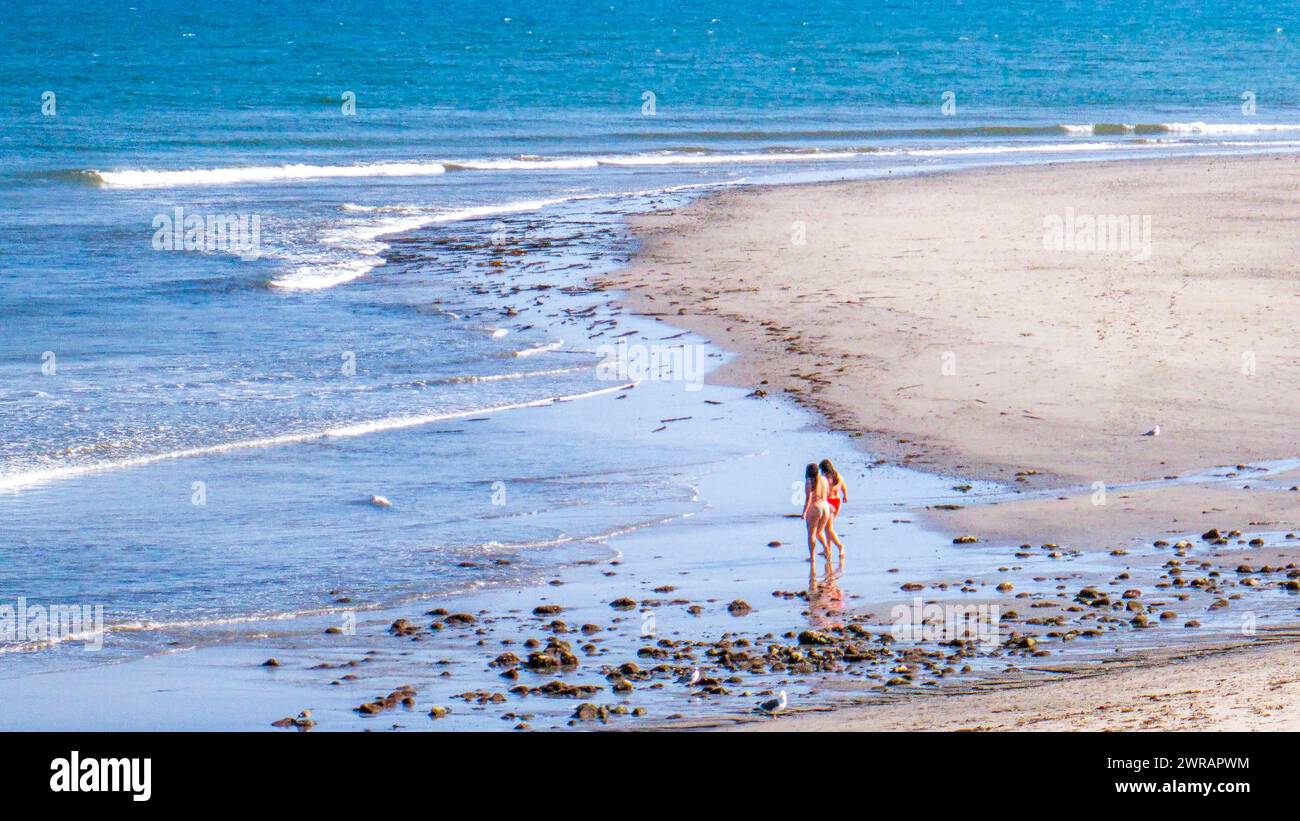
(830, 471)
(810, 473)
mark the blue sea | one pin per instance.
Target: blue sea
(260, 262)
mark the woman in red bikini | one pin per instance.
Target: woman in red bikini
(837, 493)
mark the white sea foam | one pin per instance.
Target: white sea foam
(1064, 148)
(524, 164)
(474, 212)
(188, 177)
(549, 346)
(16, 481)
(1024, 148)
(1259, 143)
(503, 377)
(318, 276)
(357, 235)
(34, 645)
(1179, 128)
(1229, 128)
(176, 178)
(637, 160)
(148, 178)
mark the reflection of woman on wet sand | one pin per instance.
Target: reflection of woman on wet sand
(825, 600)
(816, 510)
(836, 493)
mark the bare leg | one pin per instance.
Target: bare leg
(839, 544)
(821, 537)
(830, 530)
(813, 526)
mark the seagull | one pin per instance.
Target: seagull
(773, 705)
(380, 501)
(691, 677)
(1153, 432)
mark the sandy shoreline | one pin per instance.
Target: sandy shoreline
(929, 317)
(635, 618)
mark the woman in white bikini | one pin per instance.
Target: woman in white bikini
(816, 510)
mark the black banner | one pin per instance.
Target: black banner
(146, 771)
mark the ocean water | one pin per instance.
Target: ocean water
(190, 436)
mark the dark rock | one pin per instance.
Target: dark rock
(590, 712)
(814, 637)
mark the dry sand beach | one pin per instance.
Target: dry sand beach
(933, 318)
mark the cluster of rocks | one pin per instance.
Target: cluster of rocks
(404, 695)
(733, 664)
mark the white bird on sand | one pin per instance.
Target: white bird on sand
(690, 677)
(380, 501)
(773, 705)
(1153, 432)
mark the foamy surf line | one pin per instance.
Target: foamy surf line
(22, 480)
(175, 178)
(1181, 128)
(193, 177)
(147, 178)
